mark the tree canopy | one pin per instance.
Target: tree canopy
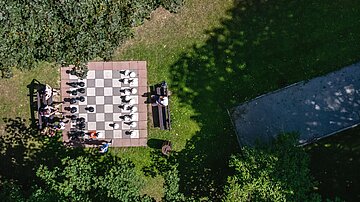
(279, 172)
(85, 179)
(67, 31)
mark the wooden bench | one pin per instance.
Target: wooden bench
(162, 119)
(41, 102)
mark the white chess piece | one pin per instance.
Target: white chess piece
(133, 124)
(132, 74)
(116, 126)
(127, 98)
(126, 107)
(132, 102)
(133, 81)
(133, 91)
(134, 109)
(126, 72)
(127, 92)
(126, 81)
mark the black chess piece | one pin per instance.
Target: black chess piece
(90, 109)
(74, 92)
(129, 132)
(81, 90)
(81, 120)
(81, 98)
(72, 100)
(73, 110)
(73, 117)
(81, 125)
(71, 72)
(129, 123)
(81, 84)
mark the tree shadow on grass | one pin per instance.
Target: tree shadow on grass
(260, 47)
(23, 149)
(335, 162)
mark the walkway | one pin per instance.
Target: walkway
(315, 109)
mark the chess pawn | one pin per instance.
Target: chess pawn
(132, 102)
(134, 109)
(90, 109)
(132, 74)
(133, 91)
(72, 101)
(125, 118)
(73, 110)
(124, 107)
(81, 98)
(133, 124)
(126, 99)
(126, 81)
(132, 81)
(129, 132)
(115, 126)
(126, 92)
(81, 90)
(125, 72)
(81, 84)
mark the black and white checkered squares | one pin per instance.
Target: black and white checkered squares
(105, 91)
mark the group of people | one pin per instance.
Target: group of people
(49, 113)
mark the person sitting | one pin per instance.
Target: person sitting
(48, 113)
(48, 92)
(162, 100)
(104, 148)
(93, 134)
(60, 126)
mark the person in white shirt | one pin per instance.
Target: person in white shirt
(163, 100)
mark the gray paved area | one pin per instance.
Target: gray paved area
(314, 109)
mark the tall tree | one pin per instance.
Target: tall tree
(279, 172)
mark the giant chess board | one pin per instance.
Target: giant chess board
(114, 93)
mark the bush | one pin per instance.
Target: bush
(172, 5)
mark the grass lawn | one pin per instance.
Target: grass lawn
(214, 55)
(14, 92)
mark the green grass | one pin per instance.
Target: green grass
(214, 55)
(212, 66)
(14, 99)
